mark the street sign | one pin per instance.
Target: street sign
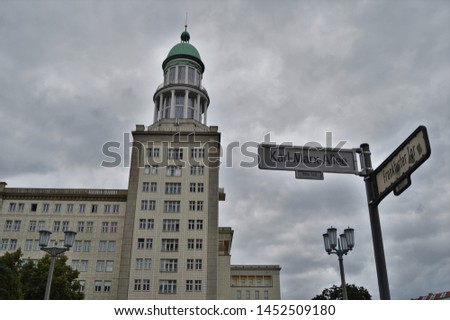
(310, 175)
(395, 172)
(305, 158)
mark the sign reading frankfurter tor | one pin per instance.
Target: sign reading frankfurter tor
(394, 173)
(305, 158)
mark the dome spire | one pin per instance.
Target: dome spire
(185, 35)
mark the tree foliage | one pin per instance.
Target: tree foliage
(335, 293)
(27, 280)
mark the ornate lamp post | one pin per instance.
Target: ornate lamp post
(339, 247)
(44, 237)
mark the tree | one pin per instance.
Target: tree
(10, 288)
(19, 280)
(335, 293)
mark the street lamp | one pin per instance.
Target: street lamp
(339, 247)
(44, 237)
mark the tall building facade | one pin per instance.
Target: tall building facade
(160, 238)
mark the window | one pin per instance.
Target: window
(167, 286)
(102, 246)
(21, 207)
(97, 286)
(257, 294)
(111, 246)
(145, 243)
(41, 225)
(171, 206)
(32, 226)
(145, 187)
(146, 169)
(144, 204)
(34, 207)
(171, 225)
(80, 226)
(173, 188)
(172, 75)
(238, 294)
(191, 244)
(56, 226)
(116, 208)
(152, 205)
(147, 263)
(105, 226)
(114, 225)
(45, 207)
(8, 225)
(173, 171)
(148, 205)
(28, 245)
(198, 264)
(69, 207)
(65, 226)
(13, 244)
(190, 264)
(200, 187)
(83, 265)
(153, 187)
(107, 208)
(139, 263)
(181, 74)
(75, 264)
(195, 225)
(137, 284)
(175, 153)
(12, 207)
(86, 245)
(169, 245)
(4, 245)
(192, 187)
(77, 246)
(82, 208)
(17, 224)
(168, 265)
(100, 267)
(109, 266)
(198, 244)
(189, 285)
(154, 169)
(94, 208)
(152, 152)
(57, 207)
(145, 284)
(107, 286)
(198, 285)
(197, 153)
(146, 224)
(89, 226)
(191, 75)
(82, 285)
(197, 170)
(247, 294)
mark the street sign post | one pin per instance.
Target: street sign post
(395, 172)
(303, 158)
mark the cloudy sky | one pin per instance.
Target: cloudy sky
(76, 74)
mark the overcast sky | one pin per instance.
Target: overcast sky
(76, 74)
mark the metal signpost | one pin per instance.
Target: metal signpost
(394, 174)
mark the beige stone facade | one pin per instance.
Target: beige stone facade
(158, 239)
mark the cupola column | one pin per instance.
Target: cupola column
(185, 109)
(161, 104)
(172, 104)
(205, 115)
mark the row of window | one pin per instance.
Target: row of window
(182, 74)
(101, 265)
(169, 244)
(168, 265)
(69, 208)
(172, 188)
(79, 246)
(170, 225)
(174, 171)
(168, 286)
(248, 294)
(171, 206)
(176, 153)
(61, 226)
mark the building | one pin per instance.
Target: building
(445, 295)
(160, 238)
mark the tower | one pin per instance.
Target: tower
(170, 243)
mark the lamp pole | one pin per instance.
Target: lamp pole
(340, 247)
(44, 237)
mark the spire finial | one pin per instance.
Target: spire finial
(185, 35)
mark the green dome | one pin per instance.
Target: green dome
(184, 48)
